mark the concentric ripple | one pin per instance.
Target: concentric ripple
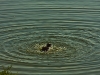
(72, 28)
(22, 44)
(69, 44)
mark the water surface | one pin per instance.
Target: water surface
(72, 27)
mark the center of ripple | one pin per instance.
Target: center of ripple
(37, 49)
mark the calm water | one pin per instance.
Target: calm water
(72, 27)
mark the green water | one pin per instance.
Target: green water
(72, 27)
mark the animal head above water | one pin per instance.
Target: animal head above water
(48, 45)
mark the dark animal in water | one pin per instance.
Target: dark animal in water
(46, 48)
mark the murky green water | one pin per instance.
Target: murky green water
(72, 27)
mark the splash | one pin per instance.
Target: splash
(37, 49)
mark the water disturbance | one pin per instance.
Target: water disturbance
(72, 27)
